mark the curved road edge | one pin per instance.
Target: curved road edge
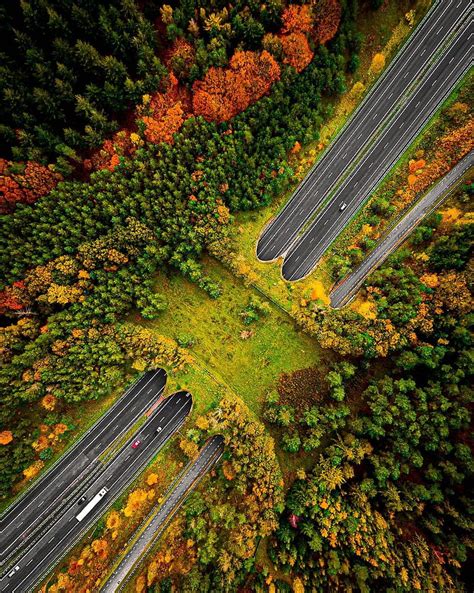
(72, 448)
(34, 511)
(158, 519)
(346, 289)
(117, 476)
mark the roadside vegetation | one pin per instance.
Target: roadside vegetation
(442, 144)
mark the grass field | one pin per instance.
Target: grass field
(224, 357)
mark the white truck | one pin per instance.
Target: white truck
(92, 504)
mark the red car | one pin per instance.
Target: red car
(136, 443)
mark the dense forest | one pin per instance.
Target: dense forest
(132, 132)
(69, 69)
(388, 501)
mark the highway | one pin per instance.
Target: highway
(156, 522)
(390, 92)
(56, 540)
(345, 290)
(442, 78)
(28, 514)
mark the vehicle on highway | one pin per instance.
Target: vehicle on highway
(82, 500)
(136, 443)
(13, 571)
(92, 504)
(159, 429)
(343, 206)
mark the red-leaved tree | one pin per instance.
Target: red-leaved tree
(296, 50)
(24, 183)
(225, 92)
(327, 16)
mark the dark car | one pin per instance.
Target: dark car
(82, 500)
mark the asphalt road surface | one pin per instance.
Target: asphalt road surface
(378, 107)
(24, 517)
(42, 554)
(345, 290)
(305, 253)
(210, 453)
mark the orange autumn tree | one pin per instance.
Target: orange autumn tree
(450, 149)
(49, 402)
(13, 298)
(136, 500)
(101, 548)
(32, 470)
(225, 92)
(296, 51)
(108, 155)
(113, 520)
(296, 19)
(163, 128)
(27, 186)
(297, 22)
(327, 16)
(164, 113)
(6, 437)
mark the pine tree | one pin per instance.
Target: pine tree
(53, 51)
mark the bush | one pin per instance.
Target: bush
(46, 454)
(291, 442)
(185, 340)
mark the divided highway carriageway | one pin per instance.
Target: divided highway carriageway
(436, 86)
(97, 495)
(30, 512)
(388, 95)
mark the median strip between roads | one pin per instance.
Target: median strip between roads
(158, 519)
(347, 288)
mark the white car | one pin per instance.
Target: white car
(13, 572)
(159, 429)
(343, 206)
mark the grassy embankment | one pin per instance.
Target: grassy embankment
(247, 363)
